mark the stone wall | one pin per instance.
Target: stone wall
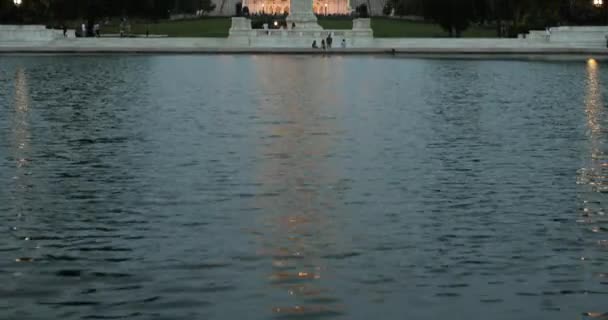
(588, 36)
(28, 33)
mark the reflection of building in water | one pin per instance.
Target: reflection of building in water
(21, 134)
(20, 128)
(292, 167)
(594, 177)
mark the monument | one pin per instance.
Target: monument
(302, 29)
(302, 16)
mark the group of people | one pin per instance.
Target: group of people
(85, 30)
(327, 43)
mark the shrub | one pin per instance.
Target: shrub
(388, 8)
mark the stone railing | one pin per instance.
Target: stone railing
(582, 35)
(28, 33)
(241, 34)
(588, 36)
(241, 27)
(300, 33)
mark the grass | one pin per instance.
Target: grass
(208, 27)
(394, 28)
(335, 23)
(218, 27)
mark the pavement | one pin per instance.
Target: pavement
(397, 46)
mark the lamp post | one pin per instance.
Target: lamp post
(18, 17)
(600, 4)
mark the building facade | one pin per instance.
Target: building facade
(320, 7)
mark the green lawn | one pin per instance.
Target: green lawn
(393, 28)
(333, 23)
(208, 27)
(218, 27)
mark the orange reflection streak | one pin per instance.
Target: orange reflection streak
(292, 163)
(21, 137)
(594, 178)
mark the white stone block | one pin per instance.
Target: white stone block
(28, 33)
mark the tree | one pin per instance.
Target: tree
(362, 11)
(208, 6)
(454, 16)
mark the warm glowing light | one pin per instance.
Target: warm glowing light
(17, 2)
(276, 23)
(598, 3)
(326, 5)
(591, 62)
(21, 91)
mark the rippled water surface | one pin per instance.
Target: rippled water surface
(286, 187)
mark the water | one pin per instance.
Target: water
(293, 187)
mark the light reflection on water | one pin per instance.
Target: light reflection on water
(20, 139)
(238, 187)
(295, 146)
(594, 179)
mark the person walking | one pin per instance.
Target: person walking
(343, 44)
(329, 41)
(323, 44)
(65, 31)
(314, 44)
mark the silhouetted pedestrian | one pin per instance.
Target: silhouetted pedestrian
(323, 44)
(65, 31)
(343, 44)
(314, 44)
(329, 41)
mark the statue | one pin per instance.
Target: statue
(301, 15)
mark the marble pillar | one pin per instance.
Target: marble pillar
(300, 13)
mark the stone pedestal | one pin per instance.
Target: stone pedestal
(362, 27)
(241, 26)
(300, 13)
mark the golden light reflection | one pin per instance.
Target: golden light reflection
(21, 91)
(293, 164)
(593, 101)
(21, 137)
(594, 177)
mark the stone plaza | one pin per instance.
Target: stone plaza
(302, 29)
